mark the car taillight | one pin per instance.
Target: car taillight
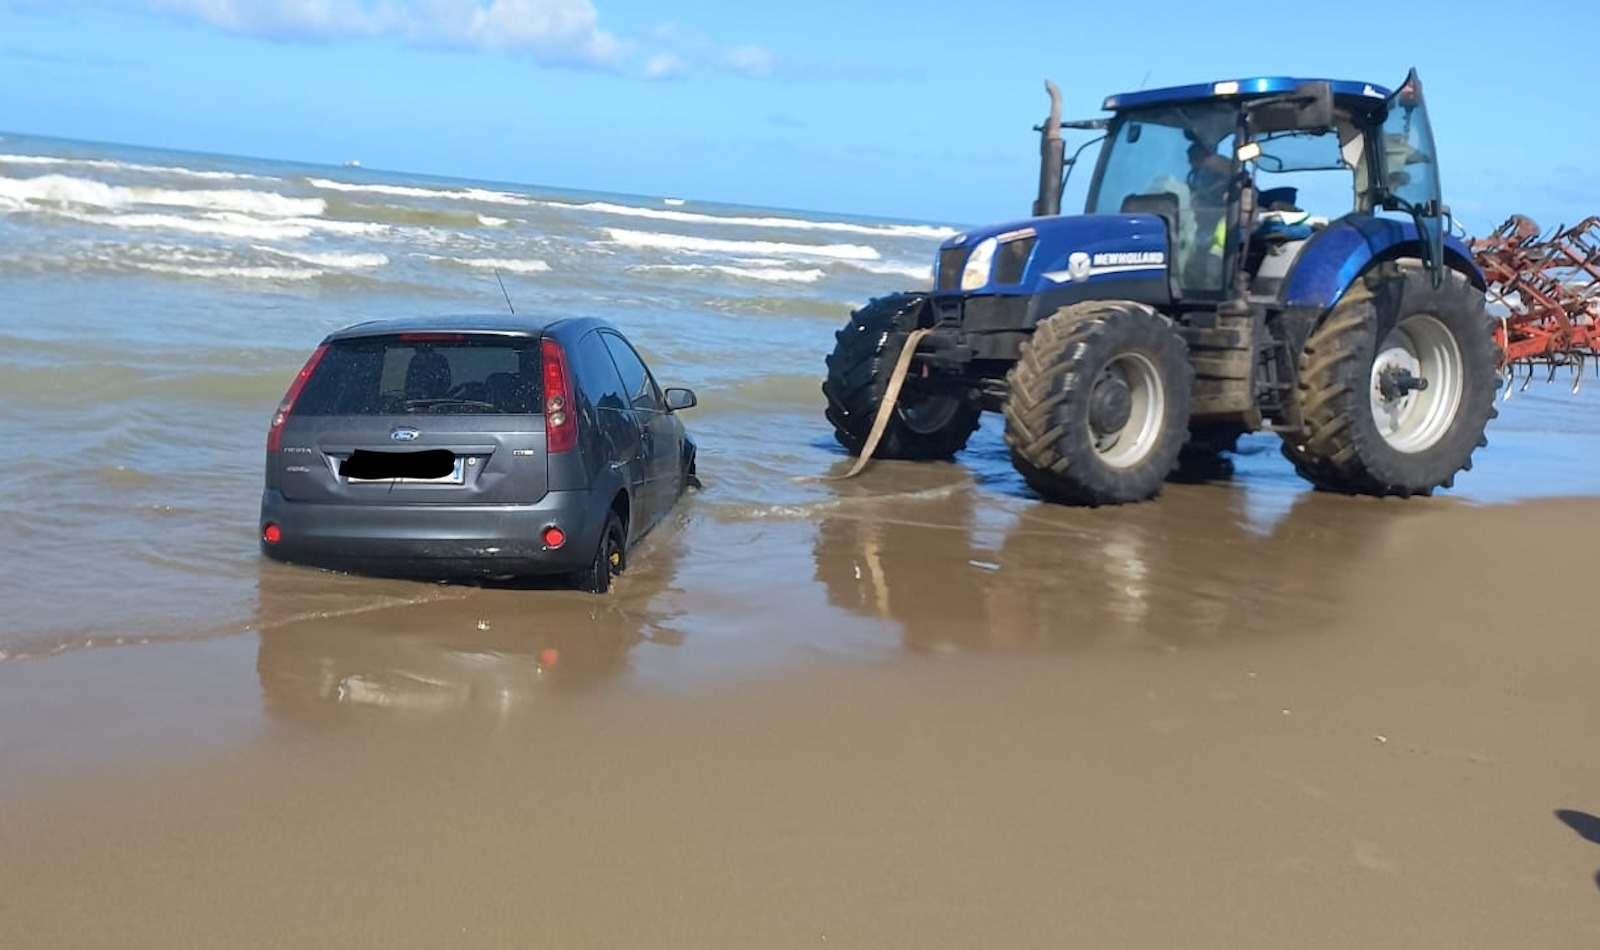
(275, 432)
(560, 425)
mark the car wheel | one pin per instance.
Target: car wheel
(610, 559)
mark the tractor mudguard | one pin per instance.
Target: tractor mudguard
(1338, 254)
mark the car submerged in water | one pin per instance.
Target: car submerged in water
(474, 446)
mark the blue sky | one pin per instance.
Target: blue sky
(880, 107)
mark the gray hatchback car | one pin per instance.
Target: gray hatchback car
(491, 446)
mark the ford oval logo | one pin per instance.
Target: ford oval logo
(404, 434)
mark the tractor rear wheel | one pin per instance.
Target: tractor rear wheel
(928, 422)
(1099, 404)
(1396, 387)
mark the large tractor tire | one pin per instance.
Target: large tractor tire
(1396, 386)
(927, 423)
(1099, 404)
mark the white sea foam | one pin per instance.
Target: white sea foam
(769, 221)
(411, 191)
(698, 245)
(107, 164)
(220, 225)
(235, 272)
(767, 274)
(348, 260)
(922, 272)
(86, 192)
(531, 266)
(492, 222)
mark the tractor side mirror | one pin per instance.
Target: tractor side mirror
(1308, 109)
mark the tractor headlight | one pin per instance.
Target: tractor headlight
(979, 265)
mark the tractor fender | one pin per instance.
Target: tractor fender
(1339, 254)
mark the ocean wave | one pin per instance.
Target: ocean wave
(86, 192)
(219, 225)
(413, 191)
(766, 274)
(111, 165)
(240, 272)
(698, 245)
(766, 221)
(515, 266)
(352, 260)
(918, 272)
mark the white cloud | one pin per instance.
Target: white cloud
(750, 60)
(665, 66)
(556, 31)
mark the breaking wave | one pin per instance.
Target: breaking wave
(768, 274)
(698, 245)
(85, 192)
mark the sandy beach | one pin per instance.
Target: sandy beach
(921, 722)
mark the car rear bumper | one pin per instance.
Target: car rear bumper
(435, 541)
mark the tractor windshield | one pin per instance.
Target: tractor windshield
(1172, 160)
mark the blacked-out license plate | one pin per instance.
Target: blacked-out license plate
(439, 466)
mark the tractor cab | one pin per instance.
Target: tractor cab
(1244, 173)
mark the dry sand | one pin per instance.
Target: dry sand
(914, 724)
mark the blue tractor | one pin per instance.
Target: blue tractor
(1266, 254)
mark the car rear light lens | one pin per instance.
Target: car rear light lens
(275, 432)
(560, 428)
(272, 534)
(432, 337)
(554, 537)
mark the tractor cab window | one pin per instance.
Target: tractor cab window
(1179, 151)
(1319, 168)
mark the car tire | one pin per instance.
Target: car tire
(610, 559)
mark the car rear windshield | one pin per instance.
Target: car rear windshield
(424, 373)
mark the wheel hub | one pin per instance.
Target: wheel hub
(1417, 383)
(1110, 405)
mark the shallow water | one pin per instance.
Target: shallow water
(157, 304)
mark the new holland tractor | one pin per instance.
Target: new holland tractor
(1265, 254)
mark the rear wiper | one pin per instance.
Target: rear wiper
(447, 401)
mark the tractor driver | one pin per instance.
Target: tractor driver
(1210, 175)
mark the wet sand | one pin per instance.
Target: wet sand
(933, 720)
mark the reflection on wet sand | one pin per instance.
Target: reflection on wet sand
(963, 573)
(345, 646)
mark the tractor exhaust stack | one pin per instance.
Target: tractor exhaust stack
(1051, 152)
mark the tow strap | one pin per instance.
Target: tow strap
(890, 397)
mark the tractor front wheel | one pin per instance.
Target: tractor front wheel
(928, 422)
(1396, 387)
(1099, 404)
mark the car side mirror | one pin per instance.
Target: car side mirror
(680, 398)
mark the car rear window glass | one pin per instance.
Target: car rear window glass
(424, 373)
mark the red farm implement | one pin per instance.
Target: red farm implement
(1545, 290)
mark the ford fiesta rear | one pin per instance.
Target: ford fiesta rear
(429, 453)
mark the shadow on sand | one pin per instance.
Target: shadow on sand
(1586, 825)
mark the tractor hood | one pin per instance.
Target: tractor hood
(1034, 254)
